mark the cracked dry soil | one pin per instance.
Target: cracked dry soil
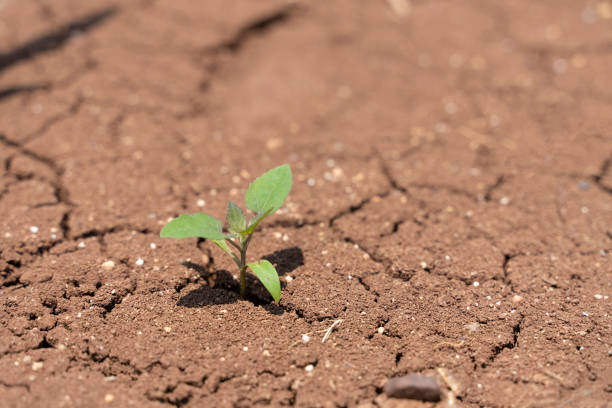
(451, 204)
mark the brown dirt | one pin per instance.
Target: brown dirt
(452, 203)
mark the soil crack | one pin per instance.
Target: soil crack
(55, 39)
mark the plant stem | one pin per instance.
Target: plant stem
(243, 266)
(243, 282)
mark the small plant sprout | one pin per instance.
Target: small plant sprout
(265, 195)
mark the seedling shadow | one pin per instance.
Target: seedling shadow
(286, 260)
(226, 290)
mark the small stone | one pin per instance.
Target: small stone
(309, 368)
(108, 398)
(108, 265)
(245, 348)
(305, 338)
(413, 386)
(33, 229)
(266, 353)
(476, 284)
(139, 262)
(201, 203)
(472, 326)
(110, 378)
(598, 297)
(381, 330)
(167, 329)
(517, 299)
(288, 278)
(37, 365)
(504, 201)
(152, 246)
(81, 244)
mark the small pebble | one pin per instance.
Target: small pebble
(305, 338)
(288, 278)
(309, 368)
(108, 265)
(245, 348)
(585, 314)
(110, 378)
(266, 353)
(167, 329)
(472, 326)
(81, 244)
(139, 262)
(598, 297)
(33, 229)
(152, 246)
(37, 365)
(504, 201)
(517, 299)
(413, 386)
(201, 203)
(476, 284)
(109, 398)
(381, 330)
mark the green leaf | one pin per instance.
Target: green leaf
(266, 273)
(256, 220)
(268, 192)
(193, 225)
(235, 218)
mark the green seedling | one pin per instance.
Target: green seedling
(265, 195)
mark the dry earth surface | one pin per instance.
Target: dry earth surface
(451, 208)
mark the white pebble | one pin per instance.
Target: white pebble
(245, 348)
(37, 365)
(309, 368)
(152, 246)
(288, 278)
(81, 244)
(504, 201)
(285, 237)
(201, 203)
(585, 314)
(423, 265)
(476, 284)
(350, 277)
(381, 330)
(33, 229)
(311, 182)
(108, 265)
(305, 338)
(598, 297)
(167, 329)
(139, 262)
